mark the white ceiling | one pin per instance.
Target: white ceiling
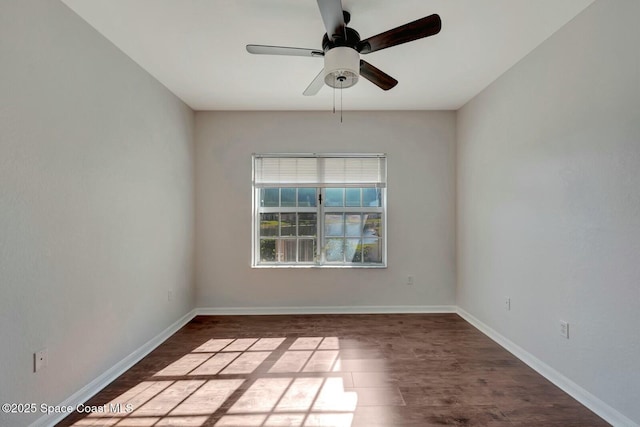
(196, 48)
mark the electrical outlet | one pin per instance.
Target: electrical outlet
(39, 359)
(507, 304)
(410, 280)
(564, 329)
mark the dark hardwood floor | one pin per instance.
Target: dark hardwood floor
(332, 370)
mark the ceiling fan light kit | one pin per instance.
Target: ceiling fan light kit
(341, 67)
(342, 47)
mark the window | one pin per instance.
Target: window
(319, 210)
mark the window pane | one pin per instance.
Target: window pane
(269, 224)
(307, 250)
(269, 197)
(286, 250)
(267, 250)
(353, 225)
(306, 197)
(334, 224)
(307, 224)
(372, 225)
(371, 197)
(292, 235)
(288, 224)
(353, 197)
(334, 197)
(287, 197)
(335, 250)
(353, 250)
(372, 251)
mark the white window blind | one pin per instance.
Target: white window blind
(320, 170)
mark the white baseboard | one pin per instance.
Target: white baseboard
(596, 405)
(88, 391)
(400, 309)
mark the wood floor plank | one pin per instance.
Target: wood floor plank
(391, 370)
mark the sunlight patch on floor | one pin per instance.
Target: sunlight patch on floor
(269, 400)
(300, 395)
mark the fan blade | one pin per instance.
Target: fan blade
(379, 78)
(333, 18)
(415, 30)
(282, 50)
(315, 85)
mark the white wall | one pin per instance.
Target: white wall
(421, 215)
(549, 206)
(96, 204)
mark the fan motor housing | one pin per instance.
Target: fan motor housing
(341, 67)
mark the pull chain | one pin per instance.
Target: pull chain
(341, 79)
(334, 99)
(341, 101)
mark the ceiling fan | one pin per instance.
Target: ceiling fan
(342, 47)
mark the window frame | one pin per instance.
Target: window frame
(320, 210)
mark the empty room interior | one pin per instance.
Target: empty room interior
(319, 213)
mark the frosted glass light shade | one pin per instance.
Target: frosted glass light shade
(341, 67)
